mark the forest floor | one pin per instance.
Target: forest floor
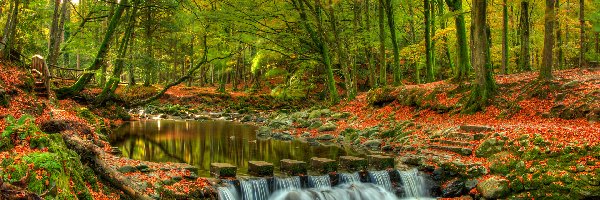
(517, 137)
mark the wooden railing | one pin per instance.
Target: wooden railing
(39, 67)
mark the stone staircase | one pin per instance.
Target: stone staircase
(40, 88)
(462, 140)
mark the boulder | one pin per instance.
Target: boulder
(372, 144)
(494, 187)
(127, 169)
(453, 188)
(264, 132)
(328, 127)
(325, 137)
(314, 124)
(488, 148)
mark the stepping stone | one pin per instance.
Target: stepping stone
(459, 150)
(293, 167)
(260, 168)
(353, 164)
(475, 128)
(323, 165)
(223, 170)
(380, 162)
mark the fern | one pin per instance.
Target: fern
(18, 126)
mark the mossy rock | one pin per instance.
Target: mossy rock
(488, 148)
(380, 96)
(339, 116)
(329, 126)
(494, 187)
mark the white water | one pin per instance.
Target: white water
(349, 177)
(353, 191)
(319, 181)
(287, 183)
(227, 193)
(256, 189)
(414, 185)
(381, 178)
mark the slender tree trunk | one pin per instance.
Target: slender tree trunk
(483, 85)
(105, 63)
(8, 37)
(462, 72)
(559, 40)
(341, 55)
(411, 22)
(367, 44)
(382, 58)
(428, 64)
(524, 29)
(100, 57)
(431, 70)
(51, 58)
(546, 69)
(114, 80)
(66, 34)
(504, 38)
(149, 57)
(582, 39)
(443, 24)
(392, 26)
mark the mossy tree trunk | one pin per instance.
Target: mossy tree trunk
(392, 26)
(524, 29)
(10, 29)
(100, 57)
(428, 62)
(547, 59)
(483, 87)
(382, 56)
(581, 33)
(463, 65)
(504, 69)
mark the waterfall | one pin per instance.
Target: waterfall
(414, 185)
(349, 177)
(354, 191)
(319, 181)
(227, 193)
(287, 183)
(381, 178)
(256, 189)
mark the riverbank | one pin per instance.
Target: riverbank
(525, 145)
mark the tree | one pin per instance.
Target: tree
(504, 37)
(10, 29)
(462, 71)
(581, 33)
(382, 56)
(100, 56)
(524, 29)
(428, 50)
(546, 69)
(392, 26)
(483, 87)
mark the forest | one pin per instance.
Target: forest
(299, 99)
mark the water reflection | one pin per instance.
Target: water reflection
(202, 143)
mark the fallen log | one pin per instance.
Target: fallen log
(93, 156)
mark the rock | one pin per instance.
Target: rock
(293, 167)
(302, 123)
(127, 169)
(494, 187)
(488, 148)
(163, 116)
(192, 176)
(353, 164)
(475, 128)
(339, 116)
(260, 120)
(328, 127)
(315, 114)
(323, 165)
(299, 115)
(264, 131)
(223, 170)
(315, 124)
(471, 183)
(260, 168)
(280, 123)
(246, 118)
(453, 188)
(379, 162)
(387, 148)
(325, 137)
(372, 144)
(177, 178)
(305, 135)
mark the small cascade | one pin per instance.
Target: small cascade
(319, 181)
(256, 189)
(414, 185)
(287, 183)
(354, 191)
(349, 177)
(227, 193)
(381, 178)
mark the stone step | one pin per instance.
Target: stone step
(293, 167)
(465, 136)
(223, 170)
(353, 164)
(459, 150)
(380, 162)
(260, 168)
(475, 128)
(323, 165)
(452, 142)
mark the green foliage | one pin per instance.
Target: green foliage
(23, 127)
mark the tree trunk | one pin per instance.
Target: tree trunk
(504, 38)
(546, 69)
(392, 26)
(51, 58)
(10, 29)
(582, 39)
(114, 80)
(431, 70)
(443, 24)
(559, 40)
(462, 72)
(382, 58)
(149, 55)
(524, 29)
(341, 55)
(100, 57)
(483, 85)
(367, 44)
